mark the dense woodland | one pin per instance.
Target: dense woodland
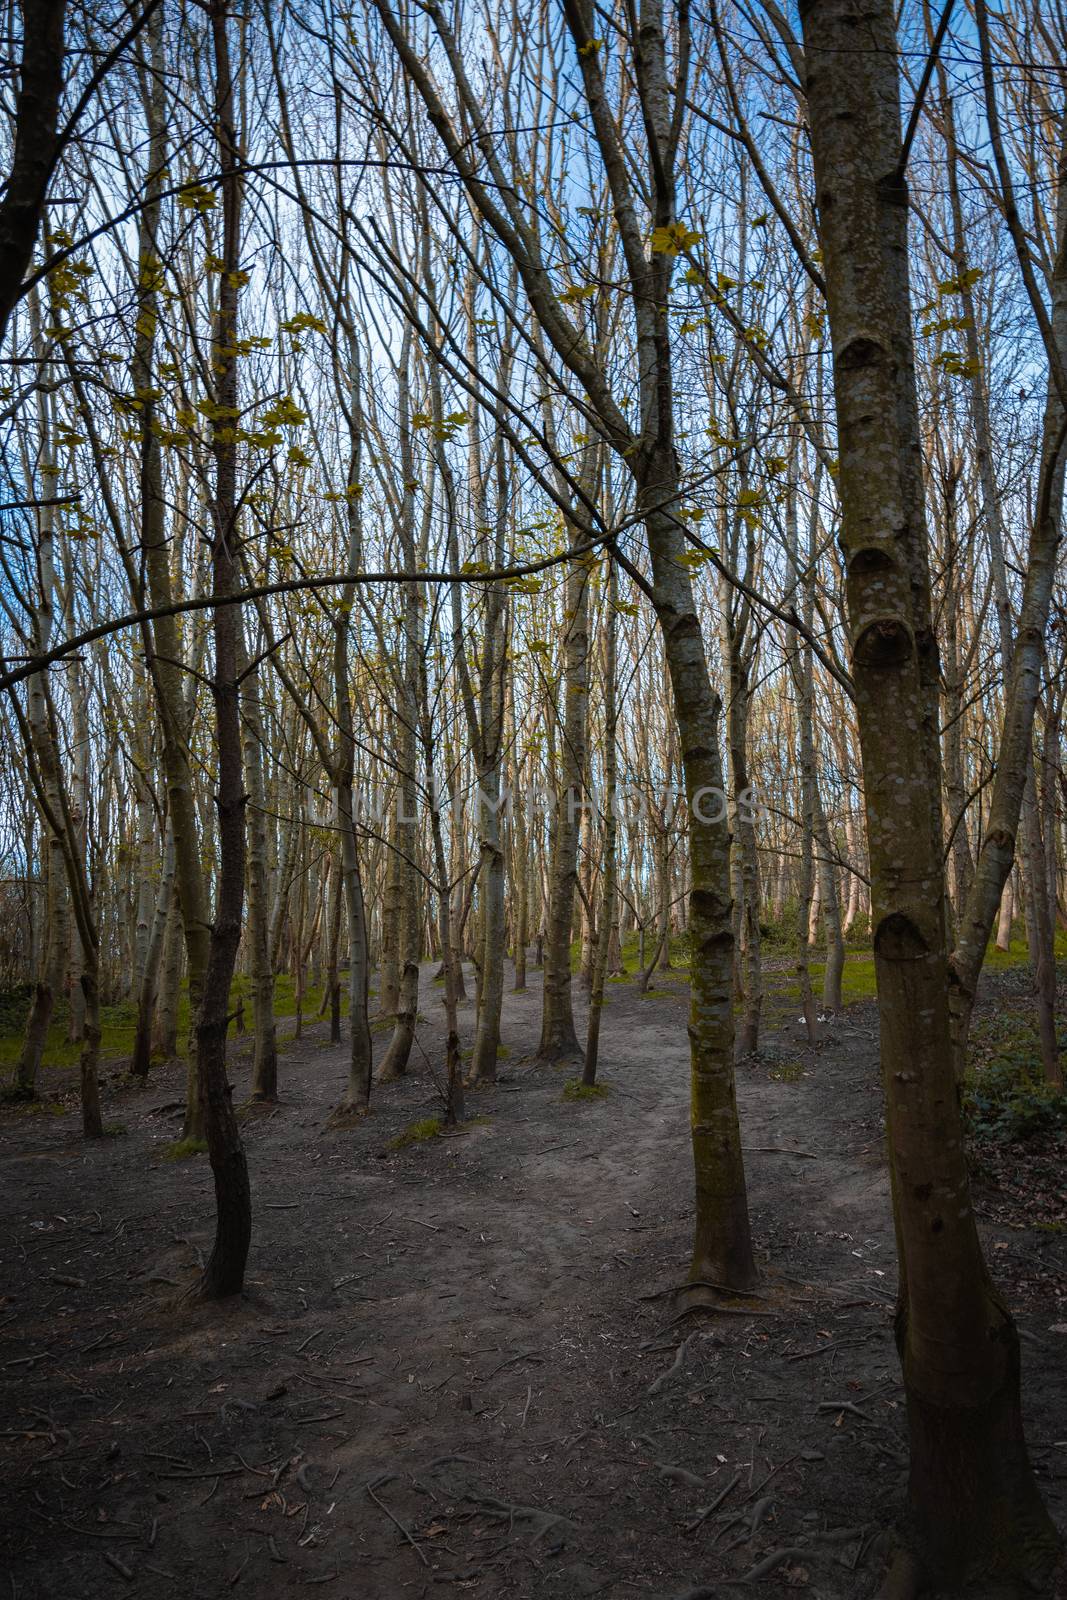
(563, 501)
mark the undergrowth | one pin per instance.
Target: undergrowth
(1006, 1097)
(574, 1089)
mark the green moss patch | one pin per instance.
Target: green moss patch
(416, 1133)
(574, 1089)
(183, 1150)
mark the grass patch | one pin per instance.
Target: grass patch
(857, 977)
(416, 1133)
(788, 1072)
(118, 1023)
(574, 1089)
(677, 946)
(17, 1105)
(183, 1149)
(285, 997)
(1017, 954)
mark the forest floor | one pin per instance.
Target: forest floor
(455, 1364)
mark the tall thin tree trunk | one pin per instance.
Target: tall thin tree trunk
(166, 656)
(165, 1024)
(610, 833)
(225, 1269)
(559, 1041)
(829, 909)
(51, 961)
(975, 1510)
(149, 987)
(265, 1048)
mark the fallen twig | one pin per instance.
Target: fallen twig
(208, 1472)
(846, 1405)
(394, 1520)
(101, 1533)
(788, 1462)
(779, 1150)
(702, 1516)
(831, 1344)
(525, 1355)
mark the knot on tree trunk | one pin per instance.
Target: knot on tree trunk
(863, 350)
(883, 642)
(899, 938)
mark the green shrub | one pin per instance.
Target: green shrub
(15, 1007)
(1006, 1097)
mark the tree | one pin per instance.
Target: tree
(976, 1511)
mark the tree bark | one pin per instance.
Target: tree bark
(975, 1508)
(36, 144)
(265, 1047)
(610, 835)
(224, 1272)
(149, 987)
(559, 1040)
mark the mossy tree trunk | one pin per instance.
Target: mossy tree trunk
(975, 1508)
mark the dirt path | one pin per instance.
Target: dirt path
(448, 1369)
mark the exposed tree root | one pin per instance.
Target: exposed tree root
(347, 1116)
(701, 1283)
(770, 1563)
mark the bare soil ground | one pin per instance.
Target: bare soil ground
(455, 1364)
